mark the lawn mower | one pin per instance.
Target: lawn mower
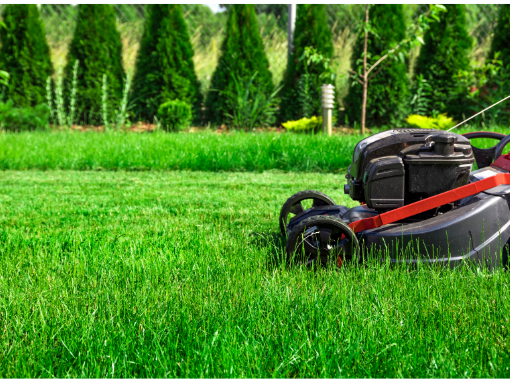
(419, 199)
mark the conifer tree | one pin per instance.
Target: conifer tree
(388, 90)
(311, 30)
(24, 55)
(97, 46)
(164, 67)
(242, 55)
(443, 57)
(501, 40)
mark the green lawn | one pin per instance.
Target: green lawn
(177, 274)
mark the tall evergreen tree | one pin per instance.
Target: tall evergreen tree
(242, 54)
(97, 46)
(444, 55)
(501, 40)
(388, 89)
(25, 54)
(311, 30)
(164, 67)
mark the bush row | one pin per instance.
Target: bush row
(94, 89)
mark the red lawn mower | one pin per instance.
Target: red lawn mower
(420, 202)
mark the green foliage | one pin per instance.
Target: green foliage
(250, 108)
(24, 54)
(164, 66)
(488, 85)
(203, 22)
(242, 55)
(58, 114)
(174, 115)
(4, 78)
(389, 89)
(421, 99)
(501, 39)
(490, 82)
(441, 122)
(443, 60)
(122, 114)
(317, 71)
(304, 125)
(23, 118)
(96, 44)
(278, 11)
(311, 31)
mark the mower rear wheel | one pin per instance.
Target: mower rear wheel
(294, 206)
(318, 240)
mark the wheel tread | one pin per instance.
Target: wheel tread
(301, 195)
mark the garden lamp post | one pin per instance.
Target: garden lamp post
(328, 100)
(290, 28)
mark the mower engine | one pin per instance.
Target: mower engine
(398, 167)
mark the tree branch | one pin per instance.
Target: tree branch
(381, 68)
(357, 79)
(384, 57)
(353, 72)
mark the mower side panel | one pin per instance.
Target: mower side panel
(477, 231)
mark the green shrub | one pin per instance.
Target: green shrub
(304, 125)
(443, 58)
(25, 118)
(441, 122)
(96, 44)
(491, 81)
(250, 108)
(164, 67)
(489, 84)
(388, 91)
(242, 55)
(174, 115)
(311, 31)
(24, 54)
(501, 39)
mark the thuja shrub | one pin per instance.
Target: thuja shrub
(174, 115)
(24, 55)
(389, 89)
(491, 81)
(311, 30)
(242, 55)
(501, 40)
(443, 60)
(164, 66)
(97, 46)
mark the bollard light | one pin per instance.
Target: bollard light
(328, 102)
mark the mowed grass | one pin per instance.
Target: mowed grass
(178, 274)
(204, 151)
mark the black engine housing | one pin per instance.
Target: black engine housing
(401, 166)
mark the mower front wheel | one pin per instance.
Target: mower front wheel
(294, 206)
(318, 240)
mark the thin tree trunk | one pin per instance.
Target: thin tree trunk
(365, 75)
